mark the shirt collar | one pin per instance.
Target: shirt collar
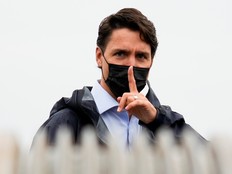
(104, 100)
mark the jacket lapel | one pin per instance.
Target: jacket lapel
(83, 102)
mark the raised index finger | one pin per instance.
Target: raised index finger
(131, 80)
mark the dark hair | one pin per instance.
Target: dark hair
(132, 19)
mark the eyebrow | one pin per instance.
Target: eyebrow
(127, 51)
(120, 50)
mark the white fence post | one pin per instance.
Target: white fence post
(166, 156)
(9, 154)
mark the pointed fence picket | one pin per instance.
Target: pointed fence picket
(190, 156)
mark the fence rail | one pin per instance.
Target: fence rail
(165, 157)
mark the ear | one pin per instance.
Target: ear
(99, 57)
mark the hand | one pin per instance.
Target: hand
(136, 103)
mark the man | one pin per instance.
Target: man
(121, 103)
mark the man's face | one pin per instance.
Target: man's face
(125, 47)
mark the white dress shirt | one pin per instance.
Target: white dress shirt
(123, 129)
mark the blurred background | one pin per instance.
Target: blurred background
(47, 50)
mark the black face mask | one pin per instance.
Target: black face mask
(117, 79)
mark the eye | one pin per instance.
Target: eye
(141, 56)
(120, 54)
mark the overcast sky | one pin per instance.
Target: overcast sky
(47, 50)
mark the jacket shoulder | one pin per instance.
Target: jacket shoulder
(67, 112)
(64, 118)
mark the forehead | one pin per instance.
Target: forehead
(127, 39)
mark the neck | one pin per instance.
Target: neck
(105, 86)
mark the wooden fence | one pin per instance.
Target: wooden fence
(166, 157)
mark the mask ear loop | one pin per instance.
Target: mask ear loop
(106, 62)
(147, 81)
